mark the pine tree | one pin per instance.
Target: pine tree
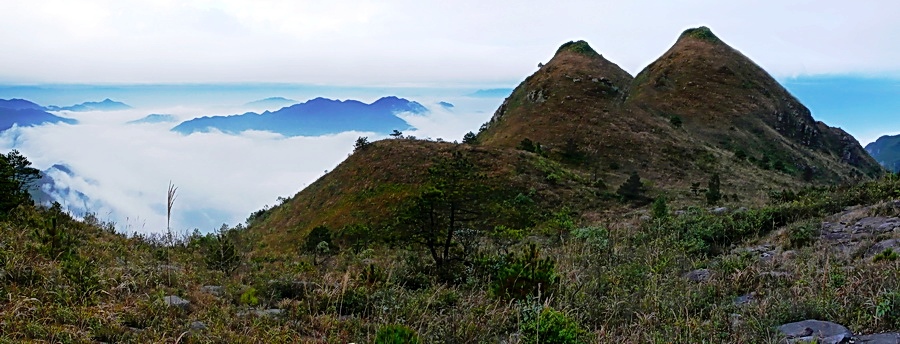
(470, 138)
(713, 193)
(633, 190)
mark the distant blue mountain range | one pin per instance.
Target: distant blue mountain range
(105, 105)
(154, 118)
(25, 114)
(318, 116)
(272, 102)
(491, 93)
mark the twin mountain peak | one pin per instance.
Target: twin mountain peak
(702, 108)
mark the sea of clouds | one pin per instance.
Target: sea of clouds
(125, 169)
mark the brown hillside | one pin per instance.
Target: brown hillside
(728, 101)
(368, 187)
(703, 108)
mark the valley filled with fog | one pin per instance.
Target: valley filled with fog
(118, 164)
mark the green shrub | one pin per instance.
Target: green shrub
(524, 274)
(802, 234)
(887, 255)
(248, 297)
(580, 47)
(527, 145)
(220, 252)
(83, 276)
(595, 237)
(676, 121)
(396, 334)
(552, 327)
(58, 240)
(887, 308)
(660, 209)
(703, 33)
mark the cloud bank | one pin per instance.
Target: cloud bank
(124, 169)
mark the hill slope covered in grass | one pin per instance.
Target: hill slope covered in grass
(702, 112)
(733, 277)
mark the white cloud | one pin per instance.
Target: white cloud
(128, 167)
(125, 169)
(414, 42)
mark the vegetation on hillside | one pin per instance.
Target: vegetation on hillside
(555, 279)
(534, 230)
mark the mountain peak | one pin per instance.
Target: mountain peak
(578, 47)
(701, 33)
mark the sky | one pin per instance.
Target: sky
(192, 58)
(408, 42)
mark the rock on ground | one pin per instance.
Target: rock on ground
(815, 331)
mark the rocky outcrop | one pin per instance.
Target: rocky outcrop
(826, 332)
(815, 331)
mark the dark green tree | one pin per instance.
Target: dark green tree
(572, 153)
(676, 121)
(16, 176)
(808, 173)
(451, 208)
(713, 192)
(397, 134)
(527, 145)
(221, 253)
(470, 138)
(633, 190)
(695, 188)
(318, 242)
(524, 274)
(361, 143)
(659, 208)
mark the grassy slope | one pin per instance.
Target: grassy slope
(620, 124)
(369, 186)
(624, 284)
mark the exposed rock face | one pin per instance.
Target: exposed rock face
(886, 150)
(854, 231)
(881, 338)
(826, 332)
(815, 331)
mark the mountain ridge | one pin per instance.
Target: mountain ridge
(318, 116)
(25, 113)
(104, 105)
(701, 110)
(886, 150)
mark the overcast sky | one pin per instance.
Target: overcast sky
(398, 42)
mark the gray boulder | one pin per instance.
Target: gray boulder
(175, 301)
(215, 290)
(815, 331)
(699, 275)
(198, 326)
(893, 244)
(881, 338)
